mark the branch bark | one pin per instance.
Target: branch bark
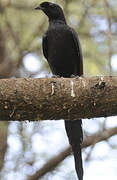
(58, 98)
(91, 140)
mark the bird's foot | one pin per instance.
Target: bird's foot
(55, 76)
(72, 76)
(77, 77)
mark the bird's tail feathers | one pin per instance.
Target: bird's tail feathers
(75, 136)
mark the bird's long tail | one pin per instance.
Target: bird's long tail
(75, 136)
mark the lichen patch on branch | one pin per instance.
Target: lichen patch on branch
(72, 88)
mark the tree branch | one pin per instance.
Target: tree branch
(3, 142)
(91, 140)
(58, 98)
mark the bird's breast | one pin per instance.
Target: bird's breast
(60, 44)
(62, 53)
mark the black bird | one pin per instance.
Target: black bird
(61, 48)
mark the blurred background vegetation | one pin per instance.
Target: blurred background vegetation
(25, 147)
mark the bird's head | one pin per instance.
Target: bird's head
(53, 11)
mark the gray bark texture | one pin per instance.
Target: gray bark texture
(58, 98)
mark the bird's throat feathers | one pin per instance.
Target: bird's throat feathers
(57, 21)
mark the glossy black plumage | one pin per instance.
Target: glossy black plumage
(61, 48)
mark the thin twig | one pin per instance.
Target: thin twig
(56, 160)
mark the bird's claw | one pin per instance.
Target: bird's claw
(55, 76)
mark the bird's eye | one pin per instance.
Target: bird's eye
(51, 5)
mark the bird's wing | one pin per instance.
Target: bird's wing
(45, 46)
(79, 51)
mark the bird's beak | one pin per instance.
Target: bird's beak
(38, 8)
